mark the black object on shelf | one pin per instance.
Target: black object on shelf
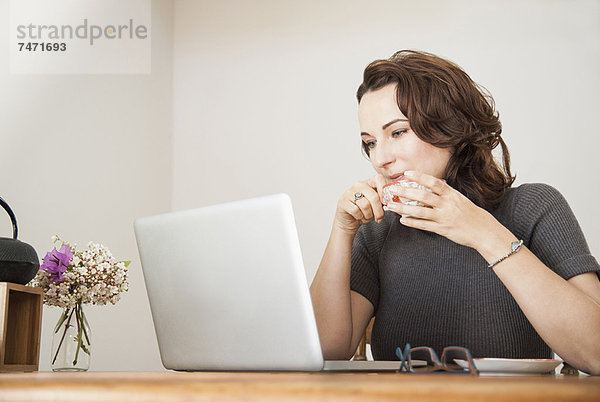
(18, 260)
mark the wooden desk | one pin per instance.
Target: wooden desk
(172, 386)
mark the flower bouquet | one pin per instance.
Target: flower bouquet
(69, 279)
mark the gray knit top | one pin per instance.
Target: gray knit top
(430, 291)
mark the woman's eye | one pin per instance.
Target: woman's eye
(370, 144)
(398, 133)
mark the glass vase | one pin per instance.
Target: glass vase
(71, 341)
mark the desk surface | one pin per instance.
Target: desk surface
(173, 386)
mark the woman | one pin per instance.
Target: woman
(453, 271)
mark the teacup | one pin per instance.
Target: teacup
(402, 181)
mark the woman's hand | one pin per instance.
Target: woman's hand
(447, 212)
(353, 210)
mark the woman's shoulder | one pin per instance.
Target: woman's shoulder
(542, 217)
(533, 195)
(537, 189)
(526, 205)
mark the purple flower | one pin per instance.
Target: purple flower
(56, 263)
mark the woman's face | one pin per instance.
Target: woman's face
(394, 147)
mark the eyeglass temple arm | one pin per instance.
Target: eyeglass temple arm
(403, 356)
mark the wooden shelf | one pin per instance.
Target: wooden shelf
(20, 327)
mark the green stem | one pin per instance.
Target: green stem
(62, 319)
(79, 334)
(64, 333)
(87, 339)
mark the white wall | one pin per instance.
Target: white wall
(264, 95)
(83, 156)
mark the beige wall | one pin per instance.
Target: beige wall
(83, 156)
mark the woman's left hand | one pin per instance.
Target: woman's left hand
(447, 212)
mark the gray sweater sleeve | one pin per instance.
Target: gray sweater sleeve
(368, 241)
(550, 230)
(364, 277)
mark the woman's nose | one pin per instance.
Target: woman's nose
(382, 155)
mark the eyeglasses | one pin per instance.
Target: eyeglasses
(412, 360)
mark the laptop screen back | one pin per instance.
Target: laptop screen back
(227, 287)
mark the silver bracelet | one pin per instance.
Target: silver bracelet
(514, 247)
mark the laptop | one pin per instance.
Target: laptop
(228, 290)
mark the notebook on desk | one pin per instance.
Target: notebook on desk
(228, 290)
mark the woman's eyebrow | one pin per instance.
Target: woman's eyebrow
(386, 125)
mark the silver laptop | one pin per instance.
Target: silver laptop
(228, 289)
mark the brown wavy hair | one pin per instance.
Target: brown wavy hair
(448, 110)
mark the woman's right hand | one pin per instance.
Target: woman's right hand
(351, 213)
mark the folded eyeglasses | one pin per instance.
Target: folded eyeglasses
(423, 359)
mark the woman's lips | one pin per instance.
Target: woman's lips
(396, 176)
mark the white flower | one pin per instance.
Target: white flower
(93, 276)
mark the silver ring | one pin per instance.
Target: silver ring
(358, 196)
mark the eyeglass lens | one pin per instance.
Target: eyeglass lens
(455, 352)
(450, 354)
(418, 356)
